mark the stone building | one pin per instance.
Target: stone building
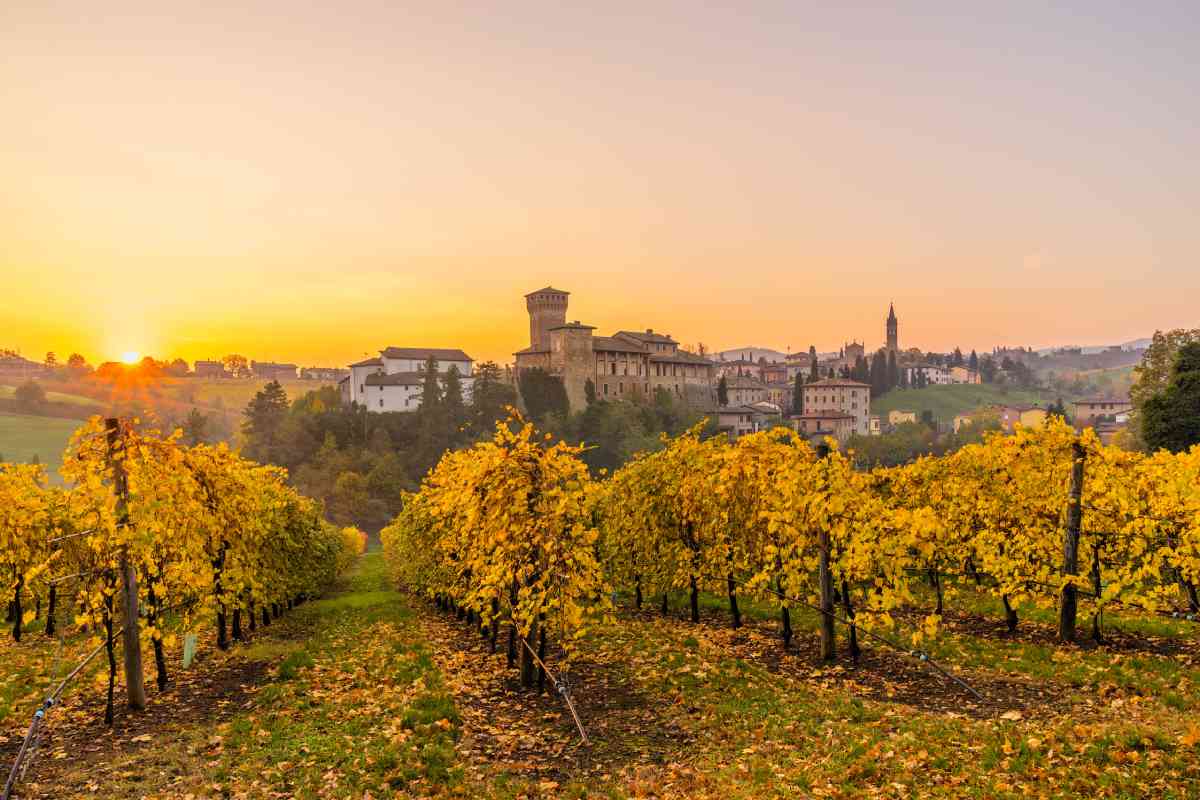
(744, 391)
(893, 330)
(273, 370)
(816, 425)
(843, 397)
(626, 365)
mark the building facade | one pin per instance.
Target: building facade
(394, 380)
(1092, 408)
(210, 369)
(744, 391)
(326, 374)
(272, 370)
(964, 375)
(932, 374)
(735, 421)
(816, 425)
(842, 396)
(625, 366)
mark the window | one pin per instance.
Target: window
(361, 389)
(620, 388)
(606, 390)
(381, 402)
(614, 367)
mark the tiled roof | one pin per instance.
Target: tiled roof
(614, 345)
(681, 357)
(438, 353)
(547, 290)
(823, 415)
(744, 382)
(837, 382)
(531, 350)
(576, 325)
(739, 410)
(648, 336)
(370, 362)
(395, 379)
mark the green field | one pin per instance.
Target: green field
(231, 394)
(55, 397)
(947, 401)
(22, 437)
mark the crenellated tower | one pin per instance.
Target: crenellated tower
(547, 309)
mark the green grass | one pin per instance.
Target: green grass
(233, 395)
(947, 401)
(354, 703)
(22, 437)
(7, 391)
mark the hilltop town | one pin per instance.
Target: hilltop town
(853, 391)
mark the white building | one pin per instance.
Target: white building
(394, 382)
(934, 376)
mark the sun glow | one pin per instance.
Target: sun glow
(130, 357)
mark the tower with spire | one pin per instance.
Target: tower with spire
(893, 327)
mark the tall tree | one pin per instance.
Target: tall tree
(878, 374)
(798, 394)
(194, 428)
(1170, 419)
(813, 370)
(452, 397)
(264, 415)
(956, 358)
(722, 392)
(51, 360)
(491, 394)
(589, 391)
(1154, 373)
(893, 371)
(431, 385)
(543, 393)
(987, 370)
(973, 362)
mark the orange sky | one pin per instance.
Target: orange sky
(310, 182)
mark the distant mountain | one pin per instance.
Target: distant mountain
(749, 353)
(1136, 344)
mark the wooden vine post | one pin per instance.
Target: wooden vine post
(1069, 601)
(135, 685)
(828, 645)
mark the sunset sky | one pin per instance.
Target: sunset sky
(312, 181)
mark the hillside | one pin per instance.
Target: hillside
(22, 437)
(947, 401)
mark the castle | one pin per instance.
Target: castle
(626, 365)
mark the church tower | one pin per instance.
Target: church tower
(893, 326)
(547, 309)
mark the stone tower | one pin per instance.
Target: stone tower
(893, 326)
(547, 309)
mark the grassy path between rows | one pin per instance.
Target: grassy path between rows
(340, 698)
(370, 694)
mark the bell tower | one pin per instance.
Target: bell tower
(547, 309)
(893, 326)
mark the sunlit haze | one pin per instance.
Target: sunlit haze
(311, 182)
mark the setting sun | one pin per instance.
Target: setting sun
(130, 357)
